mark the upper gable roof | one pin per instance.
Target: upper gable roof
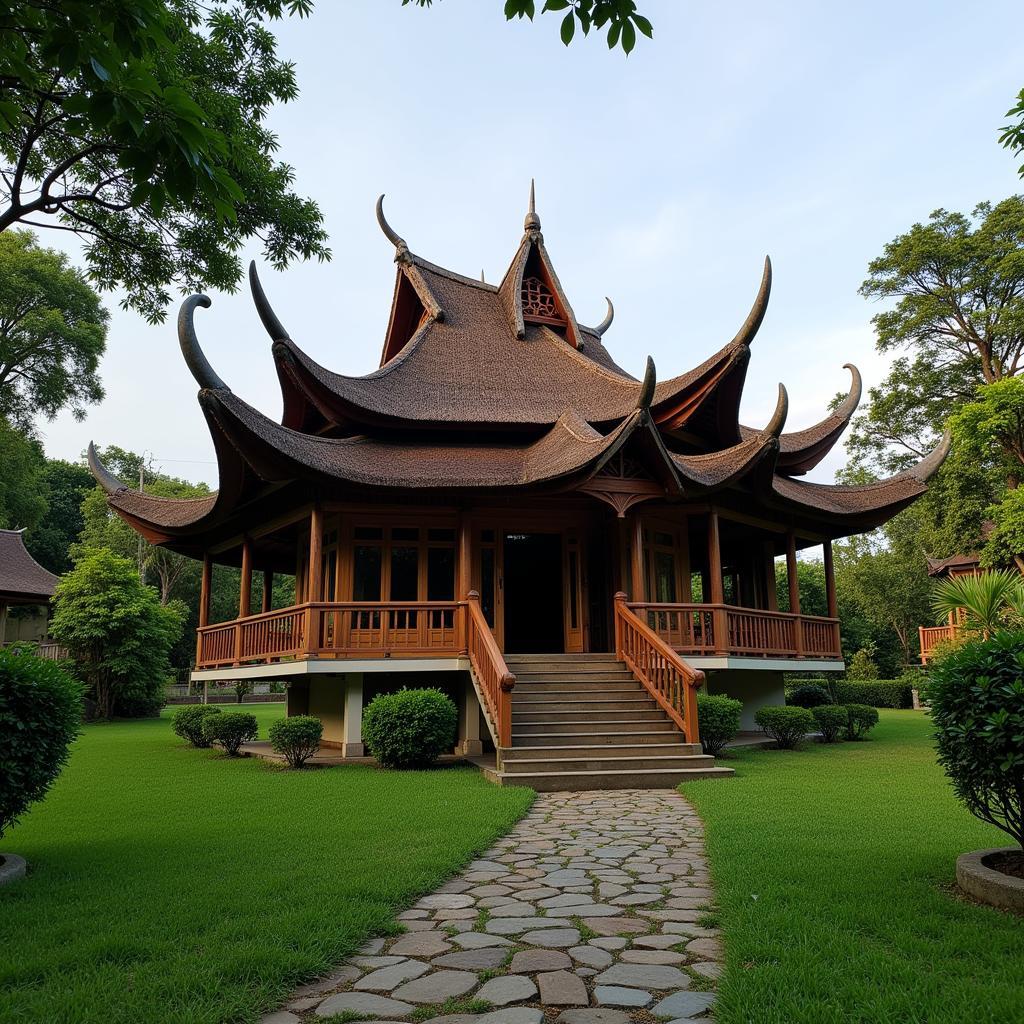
(22, 579)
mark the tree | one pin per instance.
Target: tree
(958, 320)
(986, 599)
(21, 474)
(1012, 136)
(53, 331)
(620, 16)
(118, 633)
(64, 486)
(138, 125)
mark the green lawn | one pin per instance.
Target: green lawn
(833, 866)
(176, 885)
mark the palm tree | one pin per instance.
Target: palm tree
(985, 598)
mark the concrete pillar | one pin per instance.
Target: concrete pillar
(469, 743)
(353, 742)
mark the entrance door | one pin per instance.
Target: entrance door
(532, 593)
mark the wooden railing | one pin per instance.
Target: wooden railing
(336, 630)
(46, 651)
(661, 671)
(706, 629)
(930, 636)
(492, 675)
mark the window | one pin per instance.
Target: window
(403, 563)
(487, 582)
(366, 572)
(538, 302)
(664, 577)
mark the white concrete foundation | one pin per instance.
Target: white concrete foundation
(754, 687)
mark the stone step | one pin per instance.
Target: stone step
(669, 748)
(610, 723)
(548, 737)
(573, 782)
(569, 717)
(528, 703)
(588, 679)
(595, 762)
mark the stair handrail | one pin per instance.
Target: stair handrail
(495, 679)
(670, 680)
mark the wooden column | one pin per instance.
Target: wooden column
(636, 559)
(245, 591)
(771, 591)
(715, 560)
(686, 590)
(717, 592)
(464, 555)
(268, 590)
(314, 578)
(793, 579)
(830, 580)
(205, 583)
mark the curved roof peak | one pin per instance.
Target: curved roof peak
(110, 483)
(608, 318)
(195, 358)
(389, 232)
(268, 317)
(750, 326)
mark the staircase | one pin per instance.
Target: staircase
(583, 721)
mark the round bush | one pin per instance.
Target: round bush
(230, 729)
(297, 738)
(809, 695)
(40, 714)
(977, 704)
(832, 721)
(786, 725)
(411, 728)
(718, 720)
(188, 723)
(861, 718)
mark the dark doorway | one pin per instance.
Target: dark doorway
(599, 592)
(534, 612)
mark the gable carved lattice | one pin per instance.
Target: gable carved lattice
(538, 302)
(622, 483)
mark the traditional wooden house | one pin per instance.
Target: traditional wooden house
(502, 510)
(24, 583)
(930, 637)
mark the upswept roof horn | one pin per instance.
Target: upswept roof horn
(104, 477)
(849, 404)
(778, 420)
(273, 326)
(750, 326)
(646, 396)
(929, 465)
(389, 232)
(196, 361)
(608, 318)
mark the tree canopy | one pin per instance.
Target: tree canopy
(22, 503)
(118, 633)
(53, 331)
(958, 322)
(620, 16)
(138, 125)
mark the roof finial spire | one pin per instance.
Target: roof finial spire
(389, 232)
(532, 222)
(483, 280)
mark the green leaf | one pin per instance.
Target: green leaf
(101, 72)
(644, 25)
(613, 34)
(556, 5)
(568, 28)
(628, 36)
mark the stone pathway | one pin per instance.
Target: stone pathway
(590, 911)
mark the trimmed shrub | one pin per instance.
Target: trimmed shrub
(718, 720)
(808, 695)
(786, 725)
(876, 693)
(230, 729)
(977, 703)
(832, 721)
(297, 738)
(862, 664)
(411, 728)
(40, 714)
(861, 719)
(188, 723)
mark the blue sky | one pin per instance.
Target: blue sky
(809, 131)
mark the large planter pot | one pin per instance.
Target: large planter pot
(987, 885)
(11, 867)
